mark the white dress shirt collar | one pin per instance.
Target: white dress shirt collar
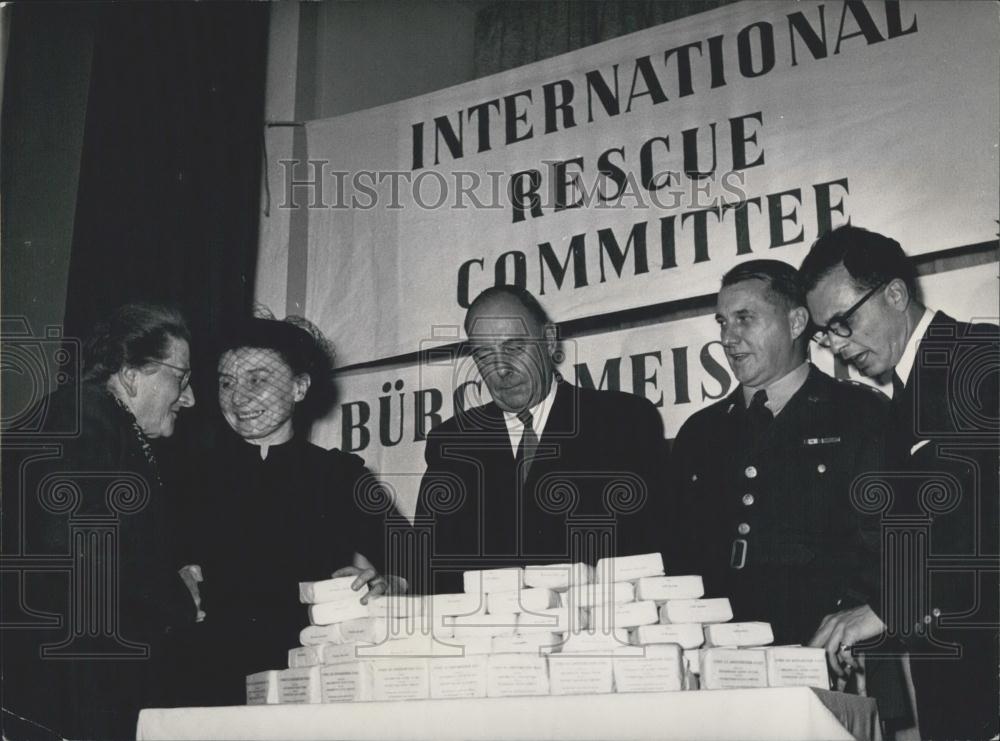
(539, 415)
(909, 356)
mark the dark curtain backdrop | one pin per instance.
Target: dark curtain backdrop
(168, 198)
(510, 33)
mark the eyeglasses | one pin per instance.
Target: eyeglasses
(838, 322)
(185, 378)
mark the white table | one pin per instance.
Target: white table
(793, 713)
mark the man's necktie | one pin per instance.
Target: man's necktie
(758, 414)
(898, 389)
(529, 443)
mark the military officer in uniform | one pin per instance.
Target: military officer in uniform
(762, 478)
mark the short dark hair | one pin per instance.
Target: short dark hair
(781, 278)
(521, 295)
(870, 259)
(132, 336)
(303, 348)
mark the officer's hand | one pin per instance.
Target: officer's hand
(839, 632)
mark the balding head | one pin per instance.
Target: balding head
(512, 343)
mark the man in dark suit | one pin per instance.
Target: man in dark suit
(762, 478)
(545, 473)
(940, 492)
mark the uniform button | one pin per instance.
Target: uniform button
(748, 499)
(694, 477)
(821, 468)
(936, 612)
(927, 619)
(751, 472)
(743, 528)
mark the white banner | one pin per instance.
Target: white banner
(679, 366)
(635, 172)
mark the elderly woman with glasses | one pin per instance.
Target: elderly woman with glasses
(277, 509)
(89, 500)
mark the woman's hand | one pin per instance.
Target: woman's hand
(377, 584)
(191, 576)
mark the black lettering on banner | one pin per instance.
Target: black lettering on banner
(776, 217)
(426, 405)
(716, 371)
(385, 415)
(576, 253)
(756, 55)
(348, 425)
(609, 246)
(482, 113)
(640, 378)
(680, 358)
(611, 375)
(824, 206)
(562, 105)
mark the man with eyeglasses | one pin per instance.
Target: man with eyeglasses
(762, 478)
(942, 476)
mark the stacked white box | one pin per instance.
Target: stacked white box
(315, 635)
(347, 682)
(580, 674)
(452, 678)
(662, 588)
(738, 635)
(622, 615)
(685, 635)
(531, 643)
(327, 613)
(512, 675)
(598, 593)
(400, 678)
(418, 644)
(712, 610)
(368, 630)
(303, 656)
(524, 600)
(397, 606)
(629, 568)
(471, 645)
(796, 666)
(558, 576)
(299, 686)
(482, 624)
(661, 669)
(553, 620)
(341, 653)
(262, 688)
(733, 668)
(492, 580)
(595, 641)
(330, 590)
(460, 603)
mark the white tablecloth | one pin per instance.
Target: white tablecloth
(794, 713)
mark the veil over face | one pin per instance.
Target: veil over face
(258, 392)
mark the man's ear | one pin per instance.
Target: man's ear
(897, 295)
(301, 385)
(128, 379)
(798, 320)
(551, 334)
